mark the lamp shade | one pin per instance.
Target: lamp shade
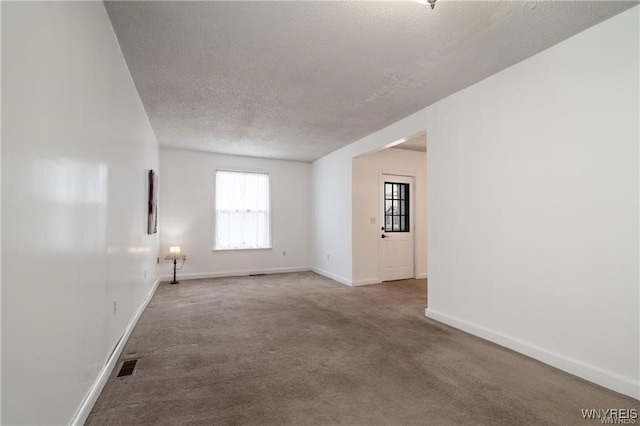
(174, 253)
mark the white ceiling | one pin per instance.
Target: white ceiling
(297, 80)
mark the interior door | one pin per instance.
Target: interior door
(396, 236)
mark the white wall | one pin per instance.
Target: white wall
(186, 215)
(533, 201)
(533, 188)
(331, 180)
(76, 148)
(366, 205)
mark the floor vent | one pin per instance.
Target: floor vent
(256, 275)
(127, 368)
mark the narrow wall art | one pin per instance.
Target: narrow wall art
(152, 209)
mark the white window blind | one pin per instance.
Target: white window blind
(242, 211)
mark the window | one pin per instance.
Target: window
(241, 211)
(396, 207)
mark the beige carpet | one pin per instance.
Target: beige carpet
(300, 349)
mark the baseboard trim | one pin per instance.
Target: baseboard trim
(333, 276)
(366, 282)
(578, 368)
(244, 273)
(371, 281)
(92, 396)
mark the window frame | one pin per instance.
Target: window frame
(215, 196)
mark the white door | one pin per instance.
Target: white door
(396, 233)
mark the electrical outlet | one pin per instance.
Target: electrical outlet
(284, 253)
(115, 306)
(145, 275)
(328, 256)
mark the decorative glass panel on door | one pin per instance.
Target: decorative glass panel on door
(396, 207)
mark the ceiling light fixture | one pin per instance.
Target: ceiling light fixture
(431, 2)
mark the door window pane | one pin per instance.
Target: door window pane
(396, 203)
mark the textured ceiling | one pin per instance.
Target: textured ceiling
(298, 80)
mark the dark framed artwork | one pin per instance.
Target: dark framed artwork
(152, 209)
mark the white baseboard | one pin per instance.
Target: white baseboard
(576, 367)
(333, 276)
(378, 281)
(244, 273)
(92, 396)
(366, 282)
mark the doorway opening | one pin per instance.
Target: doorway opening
(389, 212)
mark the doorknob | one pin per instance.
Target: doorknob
(383, 236)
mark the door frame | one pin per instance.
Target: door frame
(412, 212)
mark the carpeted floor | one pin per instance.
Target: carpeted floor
(300, 349)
